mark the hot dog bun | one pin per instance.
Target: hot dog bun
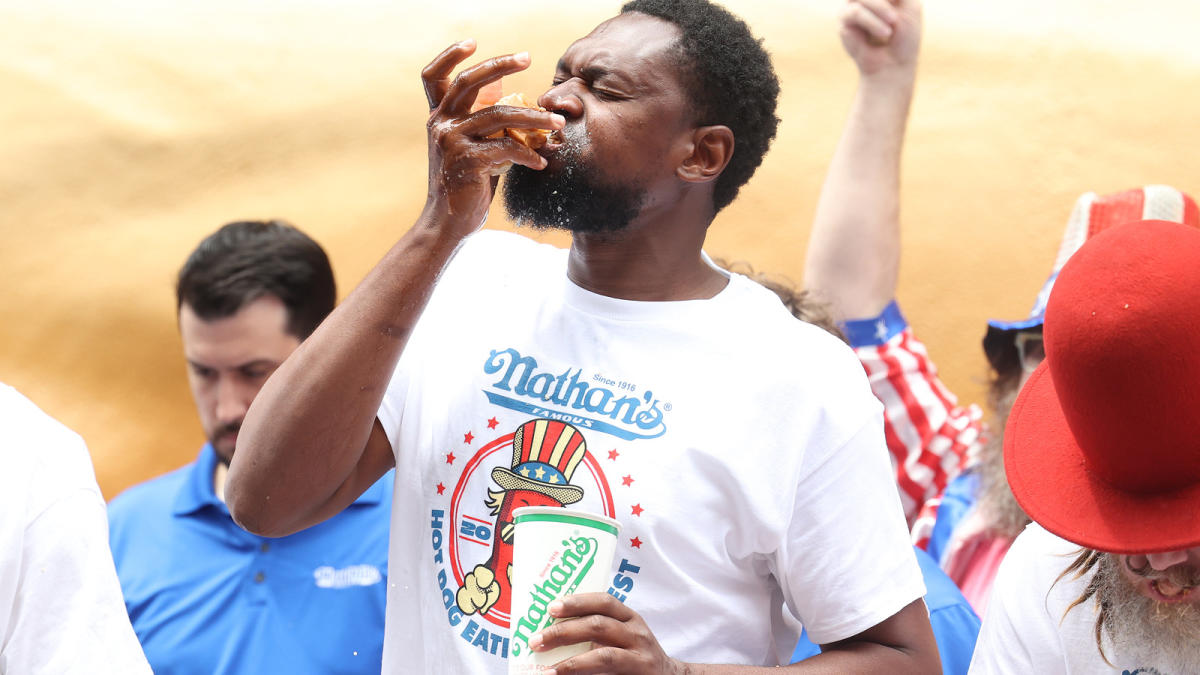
(531, 138)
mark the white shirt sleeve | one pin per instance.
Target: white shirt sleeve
(430, 331)
(1020, 634)
(61, 609)
(848, 564)
(68, 615)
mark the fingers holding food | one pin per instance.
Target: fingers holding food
(455, 95)
(469, 146)
(435, 77)
(488, 95)
(522, 121)
(466, 85)
(506, 151)
(532, 138)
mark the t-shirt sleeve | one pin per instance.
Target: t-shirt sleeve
(450, 281)
(1019, 633)
(391, 409)
(475, 271)
(69, 614)
(847, 563)
(930, 436)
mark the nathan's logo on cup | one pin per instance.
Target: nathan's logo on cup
(564, 570)
(556, 552)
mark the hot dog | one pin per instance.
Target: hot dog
(531, 138)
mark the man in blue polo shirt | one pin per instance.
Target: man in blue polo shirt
(204, 595)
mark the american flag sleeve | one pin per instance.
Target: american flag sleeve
(930, 436)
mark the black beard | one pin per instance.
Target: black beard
(570, 197)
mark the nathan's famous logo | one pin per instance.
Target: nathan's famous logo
(599, 403)
(564, 570)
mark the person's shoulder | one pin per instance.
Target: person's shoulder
(498, 262)
(143, 516)
(151, 496)
(30, 428)
(1036, 559)
(1037, 541)
(39, 446)
(501, 246)
(766, 328)
(760, 312)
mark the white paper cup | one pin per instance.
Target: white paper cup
(556, 552)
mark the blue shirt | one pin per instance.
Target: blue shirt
(958, 500)
(955, 624)
(207, 597)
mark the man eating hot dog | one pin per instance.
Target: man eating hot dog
(741, 450)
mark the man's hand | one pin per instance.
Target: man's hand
(621, 640)
(461, 156)
(882, 36)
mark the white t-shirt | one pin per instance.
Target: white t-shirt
(741, 450)
(60, 603)
(1027, 628)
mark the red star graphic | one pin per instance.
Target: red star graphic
(450, 458)
(635, 542)
(613, 455)
(441, 488)
(637, 509)
(627, 481)
(492, 423)
(467, 438)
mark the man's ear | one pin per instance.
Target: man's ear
(711, 149)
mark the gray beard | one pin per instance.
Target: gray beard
(1135, 622)
(997, 505)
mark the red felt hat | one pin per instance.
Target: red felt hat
(1102, 446)
(1092, 215)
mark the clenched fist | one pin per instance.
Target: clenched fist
(479, 591)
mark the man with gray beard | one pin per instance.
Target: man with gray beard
(1099, 450)
(967, 520)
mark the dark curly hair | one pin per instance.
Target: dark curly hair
(246, 260)
(730, 78)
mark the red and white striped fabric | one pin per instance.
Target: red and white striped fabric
(930, 436)
(1094, 214)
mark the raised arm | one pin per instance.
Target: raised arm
(310, 443)
(854, 250)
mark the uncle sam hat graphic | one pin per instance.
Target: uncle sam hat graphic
(545, 455)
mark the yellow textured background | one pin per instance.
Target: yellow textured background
(132, 129)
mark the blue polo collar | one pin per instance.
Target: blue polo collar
(196, 493)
